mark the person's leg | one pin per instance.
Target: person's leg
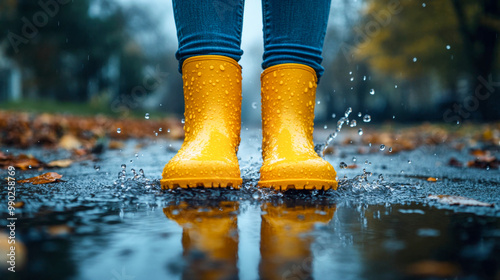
(294, 32)
(208, 28)
(293, 41)
(209, 47)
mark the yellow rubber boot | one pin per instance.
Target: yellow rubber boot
(212, 97)
(290, 162)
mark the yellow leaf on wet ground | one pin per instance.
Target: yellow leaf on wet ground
(45, 178)
(431, 179)
(459, 200)
(63, 163)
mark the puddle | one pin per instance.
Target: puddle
(96, 225)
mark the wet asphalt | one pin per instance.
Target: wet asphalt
(379, 224)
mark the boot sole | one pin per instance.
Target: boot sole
(201, 183)
(299, 184)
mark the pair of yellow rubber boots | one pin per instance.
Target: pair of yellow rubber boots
(212, 96)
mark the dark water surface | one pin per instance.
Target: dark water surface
(96, 225)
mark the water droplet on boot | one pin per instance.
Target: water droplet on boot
(146, 116)
(367, 118)
(382, 147)
(353, 123)
(372, 92)
(118, 130)
(360, 131)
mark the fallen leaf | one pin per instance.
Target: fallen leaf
(352, 166)
(115, 145)
(69, 142)
(59, 230)
(454, 162)
(484, 162)
(429, 268)
(431, 179)
(50, 177)
(80, 152)
(459, 200)
(479, 153)
(19, 204)
(22, 161)
(62, 163)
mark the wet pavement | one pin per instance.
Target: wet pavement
(380, 224)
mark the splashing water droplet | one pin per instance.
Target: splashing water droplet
(168, 130)
(390, 149)
(118, 130)
(347, 112)
(409, 161)
(367, 118)
(183, 121)
(160, 129)
(334, 115)
(414, 59)
(254, 105)
(360, 131)
(352, 79)
(146, 116)
(393, 116)
(448, 47)
(350, 72)
(395, 86)
(325, 126)
(343, 165)
(353, 123)
(382, 147)
(364, 78)
(319, 102)
(97, 167)
(359, 114)
(372, 92)
(124, 166)
(354, 159)
(423, 5)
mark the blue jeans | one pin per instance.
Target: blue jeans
(294, 30)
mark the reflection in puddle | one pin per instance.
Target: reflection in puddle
(210, 238)
(285, 245)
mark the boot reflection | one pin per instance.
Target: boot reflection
(285, 243)
(209, 239)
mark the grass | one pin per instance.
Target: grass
(79, 109)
